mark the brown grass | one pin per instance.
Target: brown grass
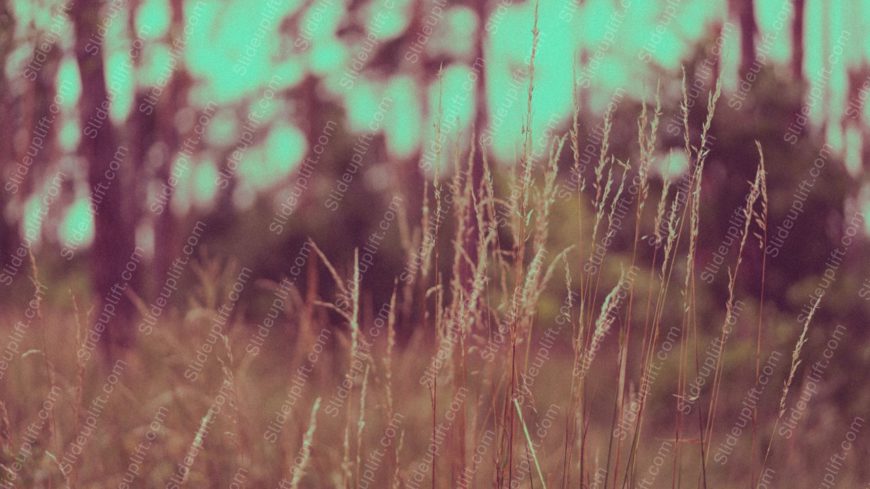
(482, 359)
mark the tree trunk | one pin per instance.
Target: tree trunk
(744, 10)
(8, 124)
(114, 240)
(797, 37)
(174, 97)
(478, 126)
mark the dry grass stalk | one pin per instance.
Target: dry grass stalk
(298, 470)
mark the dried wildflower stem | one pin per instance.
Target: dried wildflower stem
(307, 441)
(795, 362)
(689, 321)
(754, 193)
(530, 444)
(760, 217)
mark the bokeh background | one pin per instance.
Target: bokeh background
(254, 126)
(214, 108)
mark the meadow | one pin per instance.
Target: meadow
(577, 318)
(529, 365)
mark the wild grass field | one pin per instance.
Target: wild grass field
(633, 379)
(557, 322)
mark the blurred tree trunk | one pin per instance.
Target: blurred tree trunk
(744, 11)
(797, 38)
(174, 98)
(114, 240)
(827, 41)
(141, 132)
(479, 124)
(19, 116)
(410, 173)
(717, 60)
(480, 88)
(8, 127)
